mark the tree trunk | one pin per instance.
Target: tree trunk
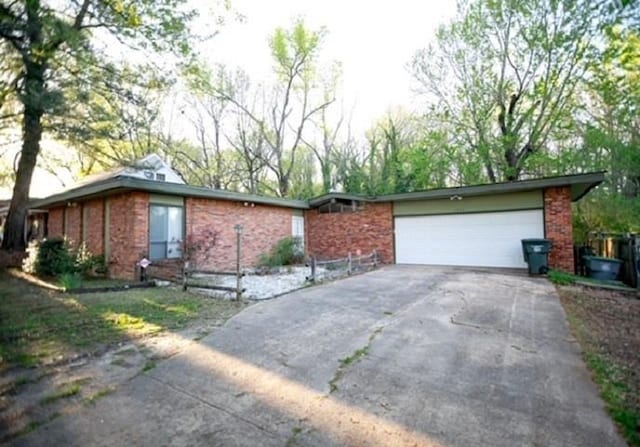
(14, 228)
(283, 185)
(33, 97)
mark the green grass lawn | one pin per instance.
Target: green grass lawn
(37, 324)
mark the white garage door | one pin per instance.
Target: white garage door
(482, 239)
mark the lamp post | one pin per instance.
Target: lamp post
(238, 229)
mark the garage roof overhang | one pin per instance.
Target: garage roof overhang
(580, 185)
(123, 184)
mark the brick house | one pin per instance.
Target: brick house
(127, 215)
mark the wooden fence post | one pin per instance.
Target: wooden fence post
(238, 229)
(185, 274)
(313, 269)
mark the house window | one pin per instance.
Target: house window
(166, 229)
(297, 231)
(341, 206)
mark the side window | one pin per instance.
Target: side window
(297, 231)
(165, 231)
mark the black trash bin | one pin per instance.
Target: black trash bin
(536, 255)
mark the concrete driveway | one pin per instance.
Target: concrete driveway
(400, 356)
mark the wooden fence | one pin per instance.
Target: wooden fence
(350, 263)
(189, 281)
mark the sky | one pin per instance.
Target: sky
(373, 40)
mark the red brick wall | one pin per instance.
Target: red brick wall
(263, 227)
(94, 237)
(55, 222)
(558, 227)
(73, 227)
(129, 233)
(333, 235)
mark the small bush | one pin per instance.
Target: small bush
(285, 252)
(29, 263)
(561, 278)
(70, 281)
(55, 257)
(86, 262)
(50, 257)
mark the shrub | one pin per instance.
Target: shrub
(50, 257)
(70, 281)
(86, 262)
(29, 263)
(55, 257)
(285, 252)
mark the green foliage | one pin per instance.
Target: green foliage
(611, 381)
(561, 278)
(56, 257)
(64, 392)
(502, 77)
(285, 252)
(294, 50)
(50, 257)
(48, 56)
(70, 281)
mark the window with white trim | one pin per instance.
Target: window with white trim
(297, 231)
(166, 231)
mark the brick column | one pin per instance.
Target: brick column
(558, 226)
(129, 233)
(55, 224)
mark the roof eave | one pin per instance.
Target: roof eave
(124, 183)
(580, 184)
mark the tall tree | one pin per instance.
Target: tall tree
(503, 72)
(37, 40)
(332, 130)
(291, 104)
(610, 127)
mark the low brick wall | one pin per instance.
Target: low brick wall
(333, 235)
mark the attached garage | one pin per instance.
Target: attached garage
(478, 239)
(468, 231)
(478, 225)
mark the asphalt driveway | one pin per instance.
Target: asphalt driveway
(400, 356)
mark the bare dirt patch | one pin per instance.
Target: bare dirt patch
(607, 325)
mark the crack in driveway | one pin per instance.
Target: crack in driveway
(351, 360)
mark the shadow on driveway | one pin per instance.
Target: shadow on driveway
(405, 355)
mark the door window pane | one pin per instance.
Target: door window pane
(174, 233)
(158, 224)
(165, 231)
